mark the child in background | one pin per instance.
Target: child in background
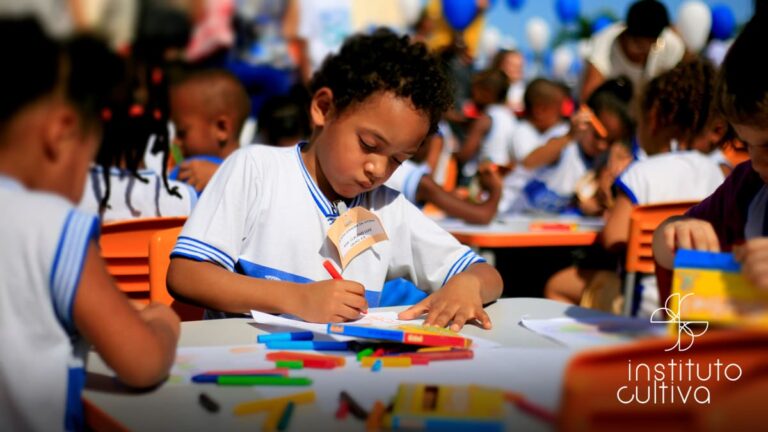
(733, 218)
(259, 237)
(283, 121)
(55, 293)
(557, 166)
(675, 107)
(490, 135)
(511, 62)
(543, 119)
(120, 186)
(208, 109)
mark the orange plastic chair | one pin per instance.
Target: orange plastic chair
(125, 249)
(642, 222)
(160, 246)
(594, 382)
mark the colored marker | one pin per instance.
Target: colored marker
(343, 410)
(208, 403)
(287, 336)
(373, 422)
(290, 364)
(309, 345)
(275, 371)
(253, 380)
(440, 355)
(286, 355)
(285, 418)
(273, 417)
(357, 411)
(376, 366)
(387, 361)
(259, 405)
(332, 270)
(364, 353)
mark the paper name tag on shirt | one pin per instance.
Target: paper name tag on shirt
(355, 231)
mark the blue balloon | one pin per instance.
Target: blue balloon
(723, 21)
(601, 23)
(515, 4)
(459, 13)
(567, 10)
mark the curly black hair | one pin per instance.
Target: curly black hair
(683, 97)
(385, 62)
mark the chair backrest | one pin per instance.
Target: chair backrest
(642, 222)
(125, 249)
(595, 380)
(160, 246)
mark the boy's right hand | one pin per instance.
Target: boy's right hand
(332, 301)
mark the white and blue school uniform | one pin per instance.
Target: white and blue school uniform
(44, 244)
(668, 177)
(131, 198)
(264, 216)
(406, 179)
(496, 142)
(527, 138)
(551, 188)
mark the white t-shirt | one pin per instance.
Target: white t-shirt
(527, 138)
(552, 188)
(262, 215)
(515, 94)
(608, 58)
(668, 177)
(406, 179)
(130, 198)
(44, 241)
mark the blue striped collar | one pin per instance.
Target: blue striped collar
(326, 207)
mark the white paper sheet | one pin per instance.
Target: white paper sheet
(591, 332)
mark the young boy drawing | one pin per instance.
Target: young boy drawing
(264, 227)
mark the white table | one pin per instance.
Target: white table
(527, 363)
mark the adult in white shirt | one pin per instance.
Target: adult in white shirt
(641, 49)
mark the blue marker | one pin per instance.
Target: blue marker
(309, 345)
(288, 336)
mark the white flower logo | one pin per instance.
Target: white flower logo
(682, 326)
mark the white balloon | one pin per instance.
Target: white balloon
(694, 20)
(411, 10)
(489, 41)
(537, 32)
(562, 59)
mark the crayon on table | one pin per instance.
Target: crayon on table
(273, 417)
(208, 403)
(309, 345)
(357, 411)
(259, 405)
(245, 380)
(273, 371)
(374, 420)
(287, 355)
(208, 378)
(287, 336)
(290, 364)
(285, 418)
(387, 361)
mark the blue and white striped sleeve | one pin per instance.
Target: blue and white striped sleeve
(187, 247)
(79, 229)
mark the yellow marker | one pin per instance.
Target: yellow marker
(435, 349)
(386, 361)
(259, 405)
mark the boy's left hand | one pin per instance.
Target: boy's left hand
(753, 256)
(457, 302)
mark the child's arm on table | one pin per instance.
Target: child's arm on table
(139, 346)
(212, 286)
(460, 299)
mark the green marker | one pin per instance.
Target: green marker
(235, 380)
(364, 353)
(290, 364)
